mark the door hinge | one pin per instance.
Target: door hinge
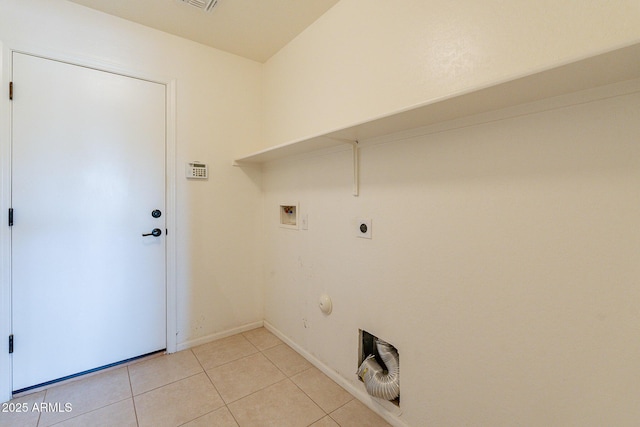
(10, 217)
(10, 343)
(11, 91)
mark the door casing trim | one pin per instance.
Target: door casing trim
(170, 83)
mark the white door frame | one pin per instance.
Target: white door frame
(6, 369)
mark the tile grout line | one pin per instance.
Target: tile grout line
(339, 407)
(133, 401)
(208, 377)
(232, 416)
(172, 382)
(297, 386)
(44, 399)
(287, 377)
(262, 352)
(216, 389)
(257, 350)
(305, 393)
(310, 398)
(227, 363)
(273, 363)
(203, 371)
(326, 414)
(257, 391)
(90, 412)
(333, 419)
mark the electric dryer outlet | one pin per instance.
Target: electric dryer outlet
(363, 228)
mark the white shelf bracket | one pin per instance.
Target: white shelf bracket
(356, 163)
(356, 168)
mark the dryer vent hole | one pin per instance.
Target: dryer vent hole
(379, 367)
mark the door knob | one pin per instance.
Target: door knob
(155, 232)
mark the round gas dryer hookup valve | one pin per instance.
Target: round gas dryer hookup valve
(325, 304)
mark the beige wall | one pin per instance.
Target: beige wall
(367, 58)
(502, 266)
(218, 116)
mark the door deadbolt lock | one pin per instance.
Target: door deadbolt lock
(156, 213)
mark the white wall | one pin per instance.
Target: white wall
(502, 261)
(503, 264)
(367, 58)
(218, 117)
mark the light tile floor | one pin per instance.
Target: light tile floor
(249, 379)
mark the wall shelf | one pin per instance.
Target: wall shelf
(599, 70)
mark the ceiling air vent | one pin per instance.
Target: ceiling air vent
(206, 5)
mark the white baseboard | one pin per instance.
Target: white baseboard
(207, 339)
(386, 410)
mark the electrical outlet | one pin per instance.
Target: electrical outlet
(363, 228)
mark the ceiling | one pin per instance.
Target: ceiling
(254, 29)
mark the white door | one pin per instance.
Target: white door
(88, 170)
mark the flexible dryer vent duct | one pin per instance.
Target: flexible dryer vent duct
(377, 383)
